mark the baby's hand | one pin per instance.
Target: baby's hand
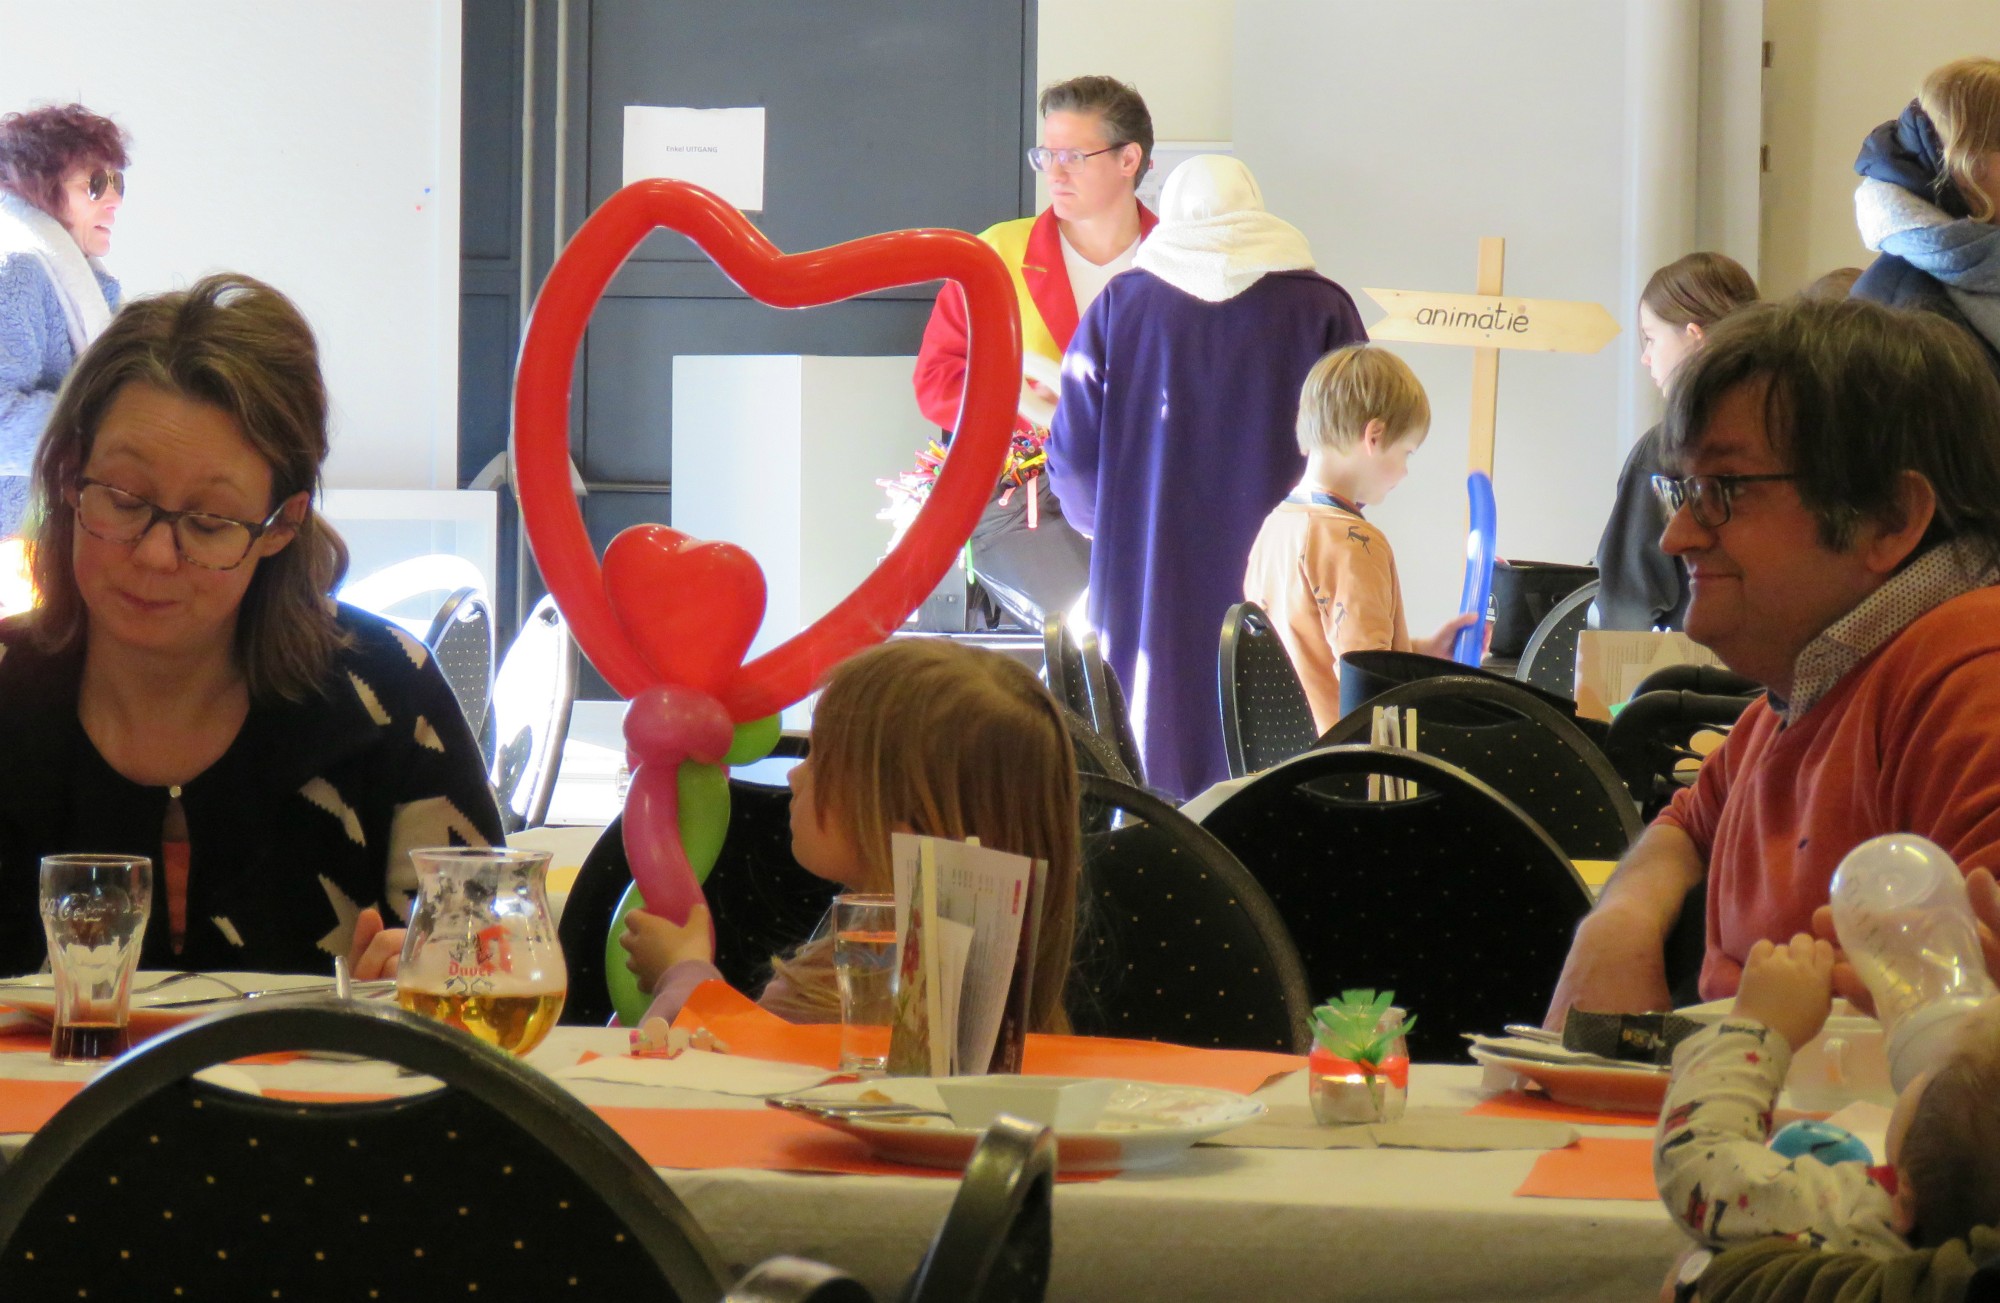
(654, 944)
(1788, 988)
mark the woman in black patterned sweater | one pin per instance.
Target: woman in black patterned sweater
(187, 689)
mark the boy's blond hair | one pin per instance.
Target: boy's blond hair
(1963, 101)
(1352, 386)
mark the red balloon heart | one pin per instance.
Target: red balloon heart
(928, 548)
(690, 607)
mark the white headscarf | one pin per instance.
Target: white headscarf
(25, 228)
(1214, 239)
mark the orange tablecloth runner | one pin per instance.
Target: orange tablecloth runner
(1594, 1169)
(1540, 1108)
(748, 1029)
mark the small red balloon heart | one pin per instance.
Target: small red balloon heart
(928, 548)
(690, 607)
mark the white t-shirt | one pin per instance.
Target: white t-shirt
(1086, 278)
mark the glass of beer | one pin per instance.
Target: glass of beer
(482, 954)
(864, 965)
(94, 915)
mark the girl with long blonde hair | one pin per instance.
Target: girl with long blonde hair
(923, 736)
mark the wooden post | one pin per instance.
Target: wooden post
(1486, 361)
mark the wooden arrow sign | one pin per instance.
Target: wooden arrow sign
(1492, 321)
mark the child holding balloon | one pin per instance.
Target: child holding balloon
(922, 736)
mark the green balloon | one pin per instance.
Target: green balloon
(626, 998)
(754, 741)
(704, 820)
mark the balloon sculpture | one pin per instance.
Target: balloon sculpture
(668, 619)
(1478, 588)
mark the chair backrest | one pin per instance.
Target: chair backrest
(1549, 660)
(1524, 750)
(996, 1243)
(1109, 714)
(498, 1184)
(1177, 942)
(1454, 898)
(1652, 741)
(1062, 667)
(1094, 752)
(461, 637)
(1266, 718)
(585, 926)
(532, 697)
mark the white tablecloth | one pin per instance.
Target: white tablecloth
(1223, 1224)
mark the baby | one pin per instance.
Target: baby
(1718, 1178)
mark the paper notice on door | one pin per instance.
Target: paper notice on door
(718, 149)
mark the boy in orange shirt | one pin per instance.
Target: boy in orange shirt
(1324, 575)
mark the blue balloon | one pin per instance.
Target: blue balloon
(1478, 590)
(1822, 1140)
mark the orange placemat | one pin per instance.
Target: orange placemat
(751, 1030)
(26, 1106)
(1540, 1108)
(1594, 1169)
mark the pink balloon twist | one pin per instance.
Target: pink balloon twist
(664, 727)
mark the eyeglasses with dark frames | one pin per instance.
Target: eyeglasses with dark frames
(1041, 156)
(1711, 498)
(201, 538)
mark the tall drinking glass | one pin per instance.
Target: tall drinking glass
(482, 954)
(864, 962)
(94, 915)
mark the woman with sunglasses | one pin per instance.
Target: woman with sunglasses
(62, 180)
(187, 690)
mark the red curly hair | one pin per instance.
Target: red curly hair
(39, 147)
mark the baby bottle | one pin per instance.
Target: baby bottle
(1900, 907)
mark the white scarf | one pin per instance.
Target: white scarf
(25, 228)
(1214, 239)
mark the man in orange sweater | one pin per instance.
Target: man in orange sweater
(1839, 512)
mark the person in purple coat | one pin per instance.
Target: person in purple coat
(1174, 439)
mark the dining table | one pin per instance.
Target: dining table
(1278, 1209)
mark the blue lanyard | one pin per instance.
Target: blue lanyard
(1319, 499)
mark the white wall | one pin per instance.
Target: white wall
(1839, 67)
(312, 143)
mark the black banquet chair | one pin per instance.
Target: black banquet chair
(1549, 659)
(533, 695)
(1266, 718)
(497, 1185)
(1109, 713)
(1653, 742)
(1177, 941)
(1510, 739)
(1062, 667)
(1454, 898)
(997, 1241)
(461, 637)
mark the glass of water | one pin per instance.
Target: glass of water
(864, 961)
(94, 911)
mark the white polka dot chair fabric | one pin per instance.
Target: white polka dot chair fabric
(996, 1243)
(1177, 942)
(1524, 749)
(1266, 718)
(1454, 898)
(498, 1185)
(461, 637)
(1549, 659)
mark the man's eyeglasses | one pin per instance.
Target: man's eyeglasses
(105, 178)
(1041, 156)
(202, 539)
(1709, 497)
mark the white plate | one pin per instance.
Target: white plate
(1143, 1125)
(158, 1004)
(1628, 1088)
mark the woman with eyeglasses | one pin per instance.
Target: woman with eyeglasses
(62, 181)
(188, 690)
(1097, 144)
